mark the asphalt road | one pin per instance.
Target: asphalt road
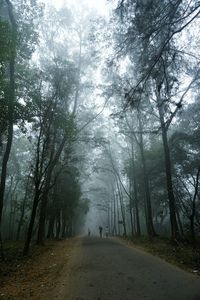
(105, 269)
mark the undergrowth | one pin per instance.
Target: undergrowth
(183, 255)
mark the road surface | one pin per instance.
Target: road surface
(105, 269)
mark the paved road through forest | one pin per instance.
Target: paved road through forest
(105, 269)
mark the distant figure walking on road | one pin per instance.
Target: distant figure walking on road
(89, 232)
(100, 231)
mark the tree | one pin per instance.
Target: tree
(11, 100)
(8, 91)
(54, 119)
(145, 27)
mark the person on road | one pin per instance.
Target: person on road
(100, 231)
(89, 232)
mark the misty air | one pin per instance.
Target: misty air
(99, 149)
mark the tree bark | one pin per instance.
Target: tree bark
(131, 211)
(31, 224)
(149, 219)
(170, 191)
(135, 192)
(58, 226)
(114, 215)
(44, 199)
(22, 210)
(11, 101)
(64, 225)
(121, 206)
(50, 234)
(192, 225)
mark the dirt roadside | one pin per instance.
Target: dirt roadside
(39, 276)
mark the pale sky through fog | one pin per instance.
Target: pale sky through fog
(99, 5)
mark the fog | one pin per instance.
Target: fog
(102, 123)
(99, 149)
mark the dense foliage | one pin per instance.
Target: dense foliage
(99, 116)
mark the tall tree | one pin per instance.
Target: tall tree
(11, 102)
(154, 38)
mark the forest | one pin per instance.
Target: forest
(99, 120)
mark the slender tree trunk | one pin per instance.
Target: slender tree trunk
(58, 226)
(31, 224)
(170, 191)
(70, 228)
(50, 234)
(7, 197)
(122, 207)
(118, 219)
(12, 211)
(38, 185)
(78, 75)
(111, 215)
(192, 217)
(124, 212)
(179, 222)
(131, 205)
(149, 219)
(44, 199)
(13, 220)
(42, 218)
(114, 216)
(11, 101)
(138, 230)
(135, 192)
(22, 210)
(108, 217)
(63, 227)
(21, 219)
(10, 222)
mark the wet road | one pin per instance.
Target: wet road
(105, 269)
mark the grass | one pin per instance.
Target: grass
(36, 275)
(182, 255)
(13, 252)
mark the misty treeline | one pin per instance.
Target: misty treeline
(99, 112)
(155, 75)
(42, 59)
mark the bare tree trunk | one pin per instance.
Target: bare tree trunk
(78, 75)
(32, 221)
(22, 210)
(149, 219)
(118, 219)
(121, 206)
(11, 101)
(42, 218)
(58, 226)
(12, 211)
(108, 217)
(38, 185)
(135, 192)
(138, 230)
(170, 191)
(114, 215)
(13, 220)
(131, 205)
(179, 222)
(7, 197)
(192, 226)
(44, 199)
(50, 234)
(64, 225)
